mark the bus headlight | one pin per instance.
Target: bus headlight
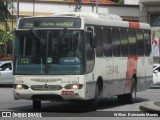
(73, 86)
(19, 86)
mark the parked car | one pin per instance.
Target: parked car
(6, 72)
(156, 75)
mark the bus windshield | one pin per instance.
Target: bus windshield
(49, 52)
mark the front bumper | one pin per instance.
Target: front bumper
(60, 95)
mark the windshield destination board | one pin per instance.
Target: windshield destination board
(49, 22)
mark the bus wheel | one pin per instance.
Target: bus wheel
(130, 97)
(121, 99)
(94, 102)
(36, 104)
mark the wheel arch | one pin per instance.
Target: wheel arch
(135, 78)
(100, 83)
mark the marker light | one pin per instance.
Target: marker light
(19, 86)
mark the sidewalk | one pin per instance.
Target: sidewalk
(150, 106)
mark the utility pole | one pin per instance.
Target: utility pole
(77, 5)
(96, 6)
(33, 7)
(17, 16)
(93, 4)
(12, 14)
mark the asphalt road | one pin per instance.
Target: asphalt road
(108, 107)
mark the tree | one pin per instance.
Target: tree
(116, 1)
(6, 37)
(121, 2)
(6, 43)
(4, 12)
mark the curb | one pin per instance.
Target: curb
(150, 106)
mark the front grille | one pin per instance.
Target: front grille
(46, 87)
(46, 80)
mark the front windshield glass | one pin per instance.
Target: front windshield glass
(49, 52)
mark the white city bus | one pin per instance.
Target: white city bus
(79, 56)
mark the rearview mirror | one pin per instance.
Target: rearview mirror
(91, 36)
(90, 39)
(93, 42)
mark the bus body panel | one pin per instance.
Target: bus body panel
(112, 68)
(115, 72)
(41, 81)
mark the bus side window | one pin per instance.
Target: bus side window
(124, 42)
(99, 45)
(116, 42)
(140, 42)
(132, 42)
(89, 53)
(147, 41)
(107, 42)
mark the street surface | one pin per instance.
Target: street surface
(65, 109)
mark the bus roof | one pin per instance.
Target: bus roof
(101, 19)
(104, 19)
(90, 15)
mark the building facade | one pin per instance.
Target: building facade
(49, 7)
(131, 2)
(24, 8)
(150, 13)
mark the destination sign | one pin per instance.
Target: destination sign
(49, 22)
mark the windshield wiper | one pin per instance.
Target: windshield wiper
(49, 36)
(35, 35)
(64, 31)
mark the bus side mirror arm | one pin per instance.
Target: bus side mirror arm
(91, 36)
(93, 41)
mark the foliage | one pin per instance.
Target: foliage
(121, 2)
(5, 37)
(116, 1)
(4, 12)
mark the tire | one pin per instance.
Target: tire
(121, 99)
(36, 105)
(130, 97)
(94, 102)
